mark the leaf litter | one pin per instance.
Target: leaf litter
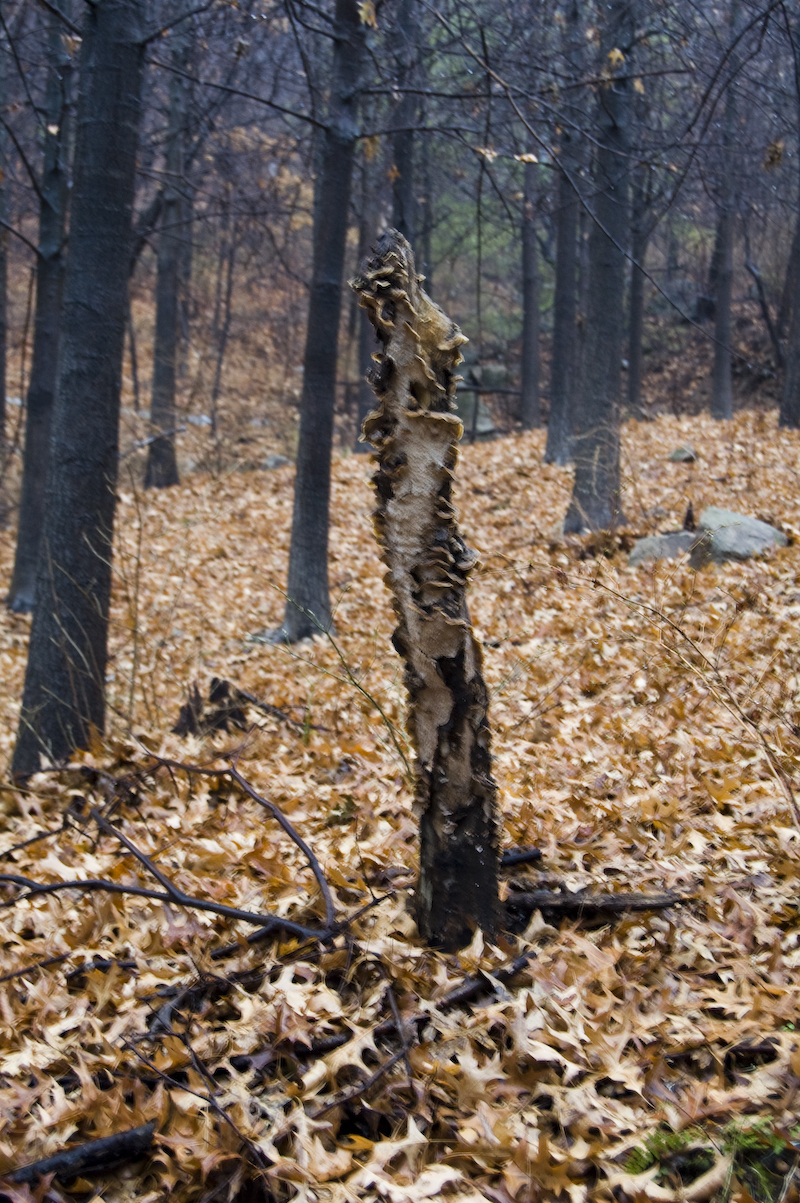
(646, 734)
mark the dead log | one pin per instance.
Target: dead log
(415, 435)
(555, 905)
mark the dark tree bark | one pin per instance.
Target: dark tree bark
(639, 241)
(529, 400)
(365, 398)
(223, 326)
(595, 503)
(49, 285)
(722, 379)
(3, 252)
(563, 374)
(308, 606)
(790, 397)
(786, 307)
(64, 697)
(403, 208)
(162, 463)
(426, 216)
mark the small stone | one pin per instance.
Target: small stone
(683, 455)
(661, 547)
(275, 461)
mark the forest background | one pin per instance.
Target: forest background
(605, 199)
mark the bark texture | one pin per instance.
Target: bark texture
(790, 397)
(47, 321)
(64, 696)
(564, 375)
(162, 463)
(639, 242)
(308, 608)
(595, 503)
(415, 435)
(403, 208)
(530, 414)
(722, 379)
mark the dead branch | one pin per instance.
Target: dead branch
(277, 814)
(268, 923)
(519, 856)
(351, 1096)
(94, 1157)
(581, 905)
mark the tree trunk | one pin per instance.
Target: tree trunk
(722, 381)
(3, 251)
(365, 398)
(223, 327)
(790, 397)
(308, 608)
(47, 321)
(162, 463)
(64, 698)
(639, 241)
(426, 219)
(595, 503)
(787, 292)
(403, 209)
(563, 374)
(529, 400)
(565, 306)
(415, 435)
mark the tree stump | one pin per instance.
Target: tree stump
(415, 436)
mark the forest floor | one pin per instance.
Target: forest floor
(646, 731)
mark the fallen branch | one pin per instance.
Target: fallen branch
(278, 815)
(94, 1157)
(519, 856)
(550, 903)
(268, 923)
(471, 987)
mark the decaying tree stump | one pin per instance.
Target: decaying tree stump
(415, 435)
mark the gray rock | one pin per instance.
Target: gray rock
(669, 546)
(465, 408)
(725, 535)
(683, 455)
(275, 461)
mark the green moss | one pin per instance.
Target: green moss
(660, 1145)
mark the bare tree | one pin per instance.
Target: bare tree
(50, 254)
(162, 464)
(64, 696)
(529, 401)
(595, 502)
(563, 375)
(308, 607)
(722, 382)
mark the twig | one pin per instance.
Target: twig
(62, 956)
(243, 783)
(94, 1157)
(276, 712)
(473, 986)
(316, 868)
(352, 1095)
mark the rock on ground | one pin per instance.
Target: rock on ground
(726, 535)
(722, 535)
